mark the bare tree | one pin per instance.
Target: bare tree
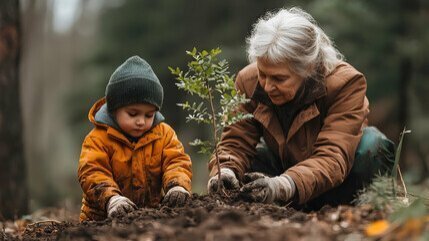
(13, 188)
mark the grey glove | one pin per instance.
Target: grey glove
(228, 179)
(119, 205)
(260, 188)
(176, 197)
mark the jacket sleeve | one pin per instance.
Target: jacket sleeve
(95, 173)
(237, 147)
(176, 165)
(335, 146)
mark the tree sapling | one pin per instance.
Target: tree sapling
(209, 79)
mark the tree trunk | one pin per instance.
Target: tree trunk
(13, 185)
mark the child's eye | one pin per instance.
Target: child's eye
(132, 114)
(149, 115)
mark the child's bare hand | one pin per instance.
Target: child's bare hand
(119, 205)
(176, 197)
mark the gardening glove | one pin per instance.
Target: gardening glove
(119, 205)
(260, 188)
(228, 179)
(176, 197)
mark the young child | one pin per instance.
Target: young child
(131, 155)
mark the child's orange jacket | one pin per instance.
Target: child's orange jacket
(110, 164)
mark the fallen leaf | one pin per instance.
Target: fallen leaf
(376, 228)
(411, 228)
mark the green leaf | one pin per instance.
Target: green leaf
(193, 52)
(171, 70)
(215, 52)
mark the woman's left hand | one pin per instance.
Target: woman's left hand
(261, 188)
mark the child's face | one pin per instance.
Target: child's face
(135, 119)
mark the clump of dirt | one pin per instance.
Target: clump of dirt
(216, 217)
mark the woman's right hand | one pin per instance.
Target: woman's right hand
(227, 178)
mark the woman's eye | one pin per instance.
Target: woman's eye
(280, 79)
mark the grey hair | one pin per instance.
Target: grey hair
(292, 36)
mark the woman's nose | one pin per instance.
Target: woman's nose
(268, 85)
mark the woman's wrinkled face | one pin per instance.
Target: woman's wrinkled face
(135, 119)
(278, 81)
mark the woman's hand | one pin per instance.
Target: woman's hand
(261, 188)
(228, 179)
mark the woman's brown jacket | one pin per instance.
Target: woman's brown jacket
(318, 150)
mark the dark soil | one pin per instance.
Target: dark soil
(211, 218)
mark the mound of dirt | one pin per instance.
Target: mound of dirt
(213, 218)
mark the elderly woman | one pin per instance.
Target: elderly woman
(310, 108)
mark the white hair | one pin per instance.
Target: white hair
(292, 36)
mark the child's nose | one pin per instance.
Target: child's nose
(140, 121)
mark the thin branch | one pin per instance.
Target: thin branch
(219, 183)
(402, 181)
(43, 222)
(30, 226)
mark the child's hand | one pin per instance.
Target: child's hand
(176, 197)
(119, 205)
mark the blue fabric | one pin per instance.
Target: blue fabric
(103, 116)
(374, 155)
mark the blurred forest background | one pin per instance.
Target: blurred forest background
(71, 47)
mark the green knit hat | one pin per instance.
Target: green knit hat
(133, 82)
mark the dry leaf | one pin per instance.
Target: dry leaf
(377, 228)
(411, 228)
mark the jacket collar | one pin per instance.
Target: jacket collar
(150, 136)
(100, 116)
(306, 106)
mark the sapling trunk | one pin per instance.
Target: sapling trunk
(219, 183)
